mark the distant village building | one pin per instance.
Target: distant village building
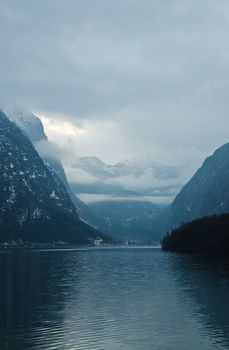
(98, 241)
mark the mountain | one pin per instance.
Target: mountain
(135, 167)
(207, 193)
(125, 179)
(34, 204)
(33, 128)
(128, 220)
(30, 124)
(206, 235)
(107, 216)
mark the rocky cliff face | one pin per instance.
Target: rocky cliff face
(34, 204)
(207, 193)
(33, 128)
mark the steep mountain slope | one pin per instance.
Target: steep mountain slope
(34, 204)
(207, 193)
(107, 216)
(129, 220)
(32, 126)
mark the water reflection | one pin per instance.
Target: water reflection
(33, 294)
(112, 299)
(205, 280)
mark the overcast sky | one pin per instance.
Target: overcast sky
(134, 77)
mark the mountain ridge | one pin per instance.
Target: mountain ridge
(207, 192)
(33, 128)
(33, 201)
(136, 167)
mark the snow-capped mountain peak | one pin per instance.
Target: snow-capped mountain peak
(135, 167)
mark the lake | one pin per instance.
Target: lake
(112, 298)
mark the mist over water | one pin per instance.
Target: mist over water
(112, 298)
(91, 198)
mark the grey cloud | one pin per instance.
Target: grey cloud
(157, 70)
(46, 149)
(86, 56)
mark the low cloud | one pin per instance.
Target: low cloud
(143, 78)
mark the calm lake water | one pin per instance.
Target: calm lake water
(112, 298)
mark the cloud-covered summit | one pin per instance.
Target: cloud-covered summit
(135, 167)
(136, 178)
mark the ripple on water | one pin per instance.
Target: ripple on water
(112, 299)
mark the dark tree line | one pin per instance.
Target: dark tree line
(206, 235)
